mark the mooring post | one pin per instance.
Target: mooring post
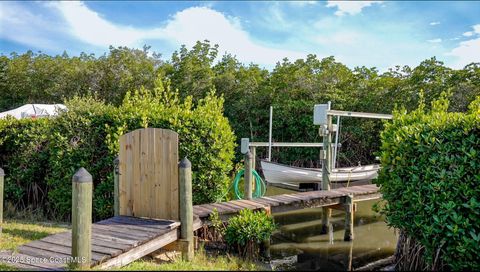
(186, 209)
(82, 185)
(116, 193)
(2, 176)
(349, 213)
(253, 150)
(326, 168)
(247, 176)
(327, 153)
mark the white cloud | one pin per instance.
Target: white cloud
(438, 40)
(434, 23)
(185, 27)
(90, 27)
(350, 7)
(467, 51)
(193, 24)
(25, 27)
(302, 3)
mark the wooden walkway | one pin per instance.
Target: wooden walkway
(120, 240)
(288, 202)
(116, 241)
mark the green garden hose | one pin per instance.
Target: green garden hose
(260, 186)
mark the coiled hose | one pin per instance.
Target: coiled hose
(260, 186)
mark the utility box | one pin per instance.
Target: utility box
(320, 114)
(244, 145)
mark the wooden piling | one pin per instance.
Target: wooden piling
(116, 192)
(348, 218)
(2, 176)
(326, 170)
(253, 150)
(327, 154)
(82, 185)
(186, 209)
(326, 214)
(247, 176)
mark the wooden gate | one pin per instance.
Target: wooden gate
(148, 174)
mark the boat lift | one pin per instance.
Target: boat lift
(322, 116)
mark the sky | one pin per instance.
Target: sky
(379, 34)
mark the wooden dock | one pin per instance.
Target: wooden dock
(289, 202)
(116, 241)
(120, 240)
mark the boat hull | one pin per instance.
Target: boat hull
(279, 173)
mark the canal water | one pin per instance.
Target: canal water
(299, 245)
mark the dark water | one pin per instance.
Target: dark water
(298, 244)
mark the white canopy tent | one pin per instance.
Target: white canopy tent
(34, 111)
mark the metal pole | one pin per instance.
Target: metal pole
(336, 143)
(270, 135)
(82, 187)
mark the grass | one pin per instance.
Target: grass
(18, 232)
(201, 262)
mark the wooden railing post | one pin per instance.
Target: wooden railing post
(116, 194)
(247, 176)
(82, 185)
(186, 209)
(349, 213)
(2, 176)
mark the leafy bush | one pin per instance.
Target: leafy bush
(430, 179)
(248, 230)
(40, 156)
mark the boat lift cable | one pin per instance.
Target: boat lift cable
(260, 186)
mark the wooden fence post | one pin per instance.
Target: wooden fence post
(186, 209)
(247, 176)
(349, 213)
(82, 185)
(116, 193)
(2, 176)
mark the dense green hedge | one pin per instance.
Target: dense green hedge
(431, 181)
(41, 155)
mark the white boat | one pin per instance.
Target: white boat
(280, 173)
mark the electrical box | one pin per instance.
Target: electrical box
(320, 114)
(245, 145)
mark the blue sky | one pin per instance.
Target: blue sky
(369, 33)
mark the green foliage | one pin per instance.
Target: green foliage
(41, 155)
(430, 180)
(292, 87)
(247, 230)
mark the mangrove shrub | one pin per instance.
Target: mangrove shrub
(430, 179)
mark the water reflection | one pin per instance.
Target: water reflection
(299, 235)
